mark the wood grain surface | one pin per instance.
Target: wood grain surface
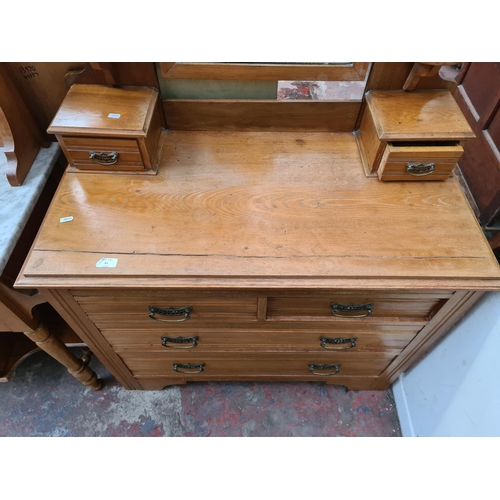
(260, 205)
(431, 114)
(85, 110)
(393, 166)
(269, 71)
(255, 115)
(147, 363)
(20, 137)
(213, 340)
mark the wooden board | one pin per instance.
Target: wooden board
(212, 340)
(420, 115)
(148, 363)
(86, 109)
(20, 137)
(478, 96)
(254, 115)
(263, 71)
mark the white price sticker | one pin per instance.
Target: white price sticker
(107, 262)
(114, 115)
(66, 219)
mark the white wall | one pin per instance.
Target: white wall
(455, 389)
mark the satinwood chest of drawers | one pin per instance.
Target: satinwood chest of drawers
(259, 256)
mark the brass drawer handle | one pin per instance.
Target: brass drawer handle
(186, 368)
(192, 341)
(338, 341)
(313, 368)
(170, 311)
(420, 169)
(103, 158)
(338, 309)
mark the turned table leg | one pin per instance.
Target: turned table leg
(54, 347)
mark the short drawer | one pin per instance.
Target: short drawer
(198, 366)
(355, 306)
(418, 162)
(153, 310)
(97, 153)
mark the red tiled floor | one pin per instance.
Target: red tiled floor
(43, 400)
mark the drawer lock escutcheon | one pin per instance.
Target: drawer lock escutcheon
(103, 158)
(189, 368)
(170, 311)
(332, 369)
(339, 341)
(420, 169)
(350, 310)
(179, 342)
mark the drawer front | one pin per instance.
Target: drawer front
(96, 153)
(416, 163)
(152, 310)
(198, 366)
(215, 340)
(356, 306)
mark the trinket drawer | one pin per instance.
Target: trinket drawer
(259, 256)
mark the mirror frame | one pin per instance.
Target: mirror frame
(242, 71)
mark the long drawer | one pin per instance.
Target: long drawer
(197, 366)
(209, 340)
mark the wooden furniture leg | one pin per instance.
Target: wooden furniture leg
(79, 368)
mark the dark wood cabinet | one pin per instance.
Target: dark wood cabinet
(478, 95)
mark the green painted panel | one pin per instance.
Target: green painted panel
(216, 89)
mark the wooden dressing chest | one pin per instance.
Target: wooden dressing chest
(259, 256)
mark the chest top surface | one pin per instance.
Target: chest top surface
(430, 114)
(259, 206)
(91, 109)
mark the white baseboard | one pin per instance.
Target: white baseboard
(402, 408)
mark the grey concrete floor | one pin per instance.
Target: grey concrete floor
(42, 399)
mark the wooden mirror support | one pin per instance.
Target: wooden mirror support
(424, 70)
(20, 138)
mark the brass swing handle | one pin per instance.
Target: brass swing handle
(170, 311)
(313, 368)
(348, 309)
(103, 158)
(188, 367)
(338, 341)
(420, 169)
(192, 341)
